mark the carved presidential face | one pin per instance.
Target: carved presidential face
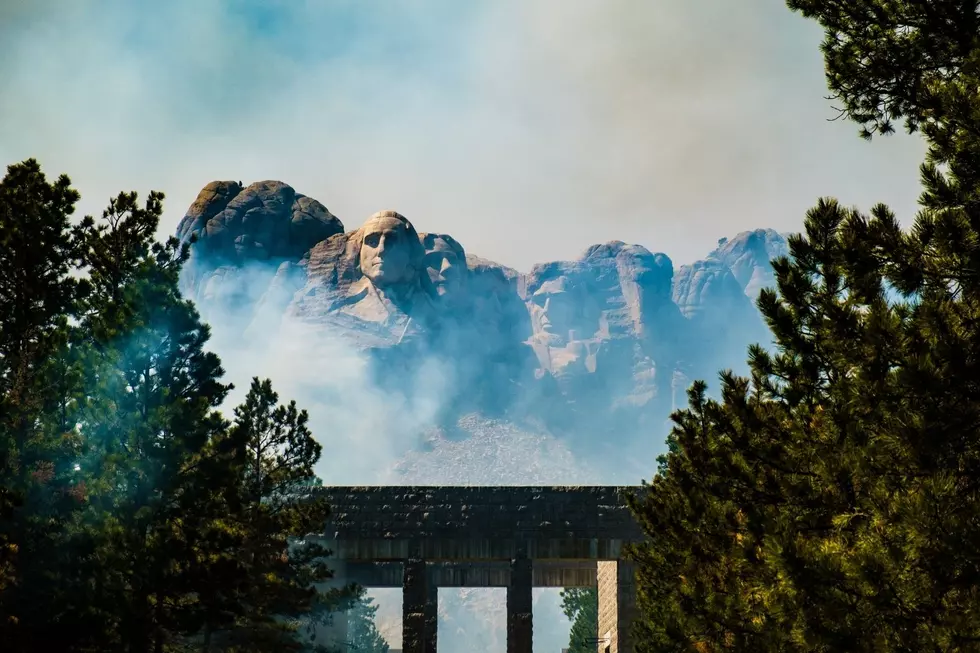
(445, 262)
(560, 312)
(386, 251)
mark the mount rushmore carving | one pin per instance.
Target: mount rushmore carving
(599, 346)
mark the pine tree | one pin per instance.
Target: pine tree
(780, 512)
(362, 632)
(151, 422)
(829, 502)
(278, 517)
(920, 62)
(38, 297)
(581, 607)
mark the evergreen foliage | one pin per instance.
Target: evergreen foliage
(364, 635)
(38, 296)
(828, 501)
(274, 508)
(134, 516)
(580, 606)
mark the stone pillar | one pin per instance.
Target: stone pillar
(617, 606)
(420, 609)
(519, 625)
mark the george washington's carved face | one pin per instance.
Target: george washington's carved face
(386, 253)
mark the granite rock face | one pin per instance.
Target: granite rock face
(370, 282)
(721, 319)
(596, 350)
(747, 255)
(236, 228)
(266, 220)
(717, 296)
(604, 333)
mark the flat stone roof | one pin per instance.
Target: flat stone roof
(479, 523)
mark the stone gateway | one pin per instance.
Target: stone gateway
(422, 538)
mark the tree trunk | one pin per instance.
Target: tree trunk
(139, 636)
(158, 626)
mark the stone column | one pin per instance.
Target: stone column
(519, 625)
(617, 606)
(420, 606)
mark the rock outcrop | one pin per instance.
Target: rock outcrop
(747, 256)
(604, 338)
(370, 282)
(598, 349)
(722, 320)
(267, 220)
(242, 234)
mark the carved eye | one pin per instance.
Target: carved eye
(373, 240)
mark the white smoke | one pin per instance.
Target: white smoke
(390, 436)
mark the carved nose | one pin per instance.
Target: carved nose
(445, 265)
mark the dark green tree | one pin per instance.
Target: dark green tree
(134, 516)
(919, 62)
(362, 630)
(39, 249)
(581, 607)
(149, 424)
(828, 502)
(765, 495)
(278, 515)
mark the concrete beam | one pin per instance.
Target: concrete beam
(465, 549)
(446, 514)
(467, 574)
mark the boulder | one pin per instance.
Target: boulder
(241, 234)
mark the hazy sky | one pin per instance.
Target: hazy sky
(528, 129)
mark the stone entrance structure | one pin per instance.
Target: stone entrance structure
(422, 538)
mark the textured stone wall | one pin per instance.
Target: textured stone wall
(466, 574)
(606, 576)
(478, 523)
(617, 606)
(520, 606)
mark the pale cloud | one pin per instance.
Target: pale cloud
(529, 129)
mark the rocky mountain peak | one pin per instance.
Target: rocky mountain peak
(264, 220)
(747, 256)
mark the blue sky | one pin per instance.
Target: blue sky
(528, 129)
